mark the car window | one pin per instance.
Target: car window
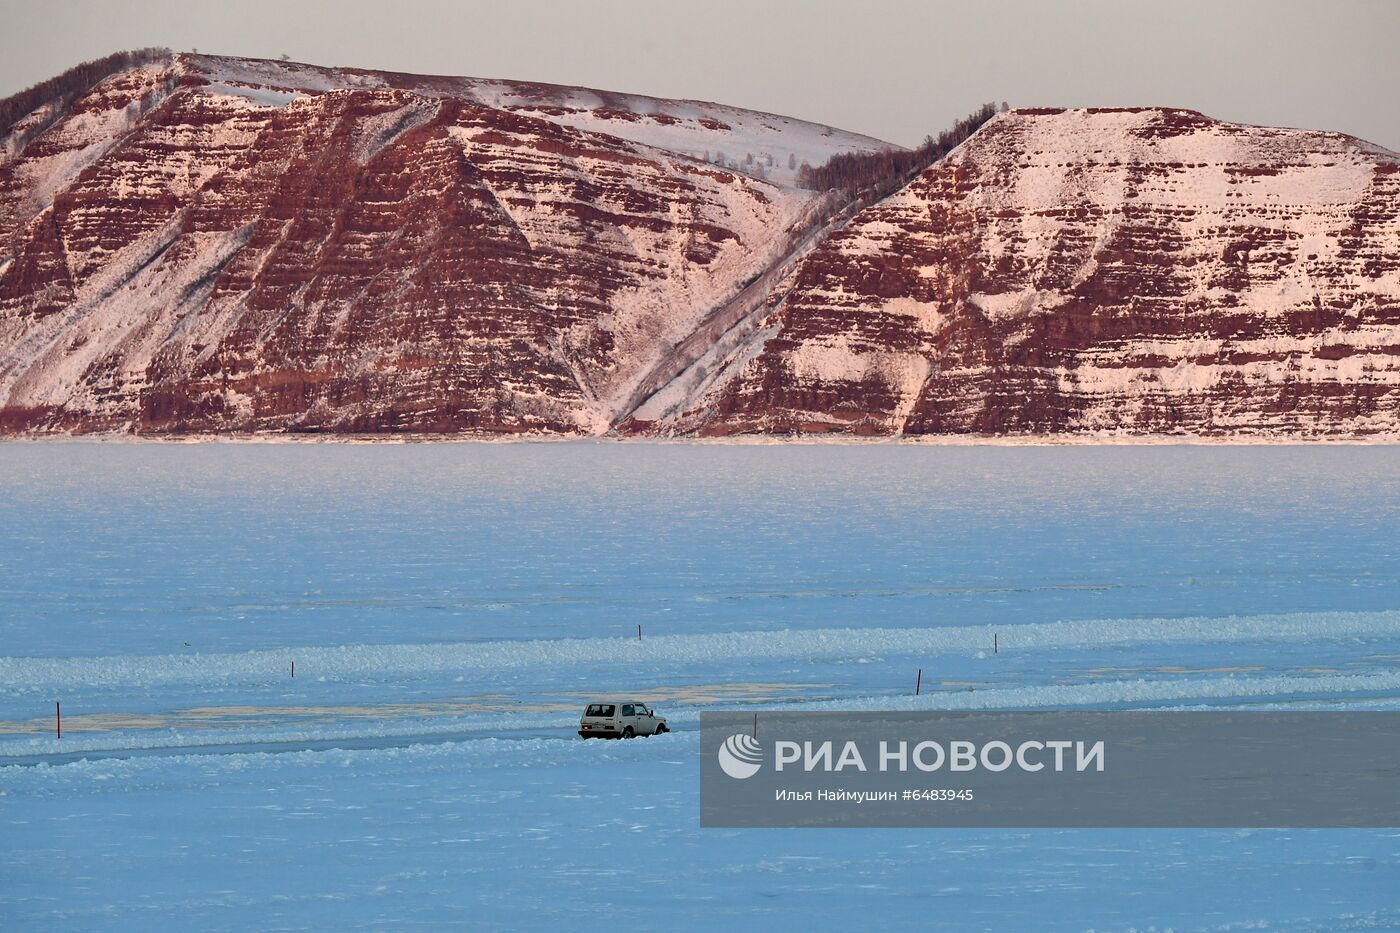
(627, 711)
(599, 709)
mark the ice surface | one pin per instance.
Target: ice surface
(486, 659)
(450, 606)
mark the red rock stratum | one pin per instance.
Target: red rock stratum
(222, 245)
(1090, 272)
(227, 246)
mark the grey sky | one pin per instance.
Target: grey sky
(893, 69)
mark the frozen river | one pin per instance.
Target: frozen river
(448, 607)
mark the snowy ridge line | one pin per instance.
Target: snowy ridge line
(1126, 692)
(20, 674)
(466, 727)
(124, 774)
(1135, 694)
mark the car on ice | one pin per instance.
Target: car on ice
(615, 719)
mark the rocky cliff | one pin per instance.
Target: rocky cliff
(220, 245)
(1086, 272)
(213, 245)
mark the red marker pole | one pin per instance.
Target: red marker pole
(755, 725)
(918, 681)
(995, 648)
(639, 631)
(58, 718)
(294, 668)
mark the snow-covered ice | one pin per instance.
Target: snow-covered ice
(449, 606)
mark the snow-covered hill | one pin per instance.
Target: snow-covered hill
(1084, 272)
(761, 145)
(214, 244)
(220, 245)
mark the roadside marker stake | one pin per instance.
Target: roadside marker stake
(918, 681)
(294, 668)
(755, 725)
(639, 631)
(995, 648)
(58, 717)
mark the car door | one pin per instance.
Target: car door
(646, 720)
(628, 715)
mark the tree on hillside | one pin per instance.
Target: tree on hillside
(887, 169)
(66, 88)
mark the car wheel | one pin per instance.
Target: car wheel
(628, 733)
(661, 729)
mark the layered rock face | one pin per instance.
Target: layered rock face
(220, 245)
(211, 245)
(1092, 271)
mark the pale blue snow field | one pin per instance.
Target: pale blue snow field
(449, 607)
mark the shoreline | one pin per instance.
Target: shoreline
(951, 440)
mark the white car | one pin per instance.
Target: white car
(616, 719)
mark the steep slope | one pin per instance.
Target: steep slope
(210, 244)
(1082, 272)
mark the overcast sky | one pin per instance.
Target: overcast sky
(896, 70)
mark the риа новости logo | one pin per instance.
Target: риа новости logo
(741, 756)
